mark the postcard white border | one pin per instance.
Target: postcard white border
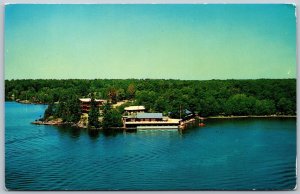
(2, 111)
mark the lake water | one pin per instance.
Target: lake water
(235, 154)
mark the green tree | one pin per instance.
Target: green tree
(131, 91)
(240, 104)
(112, 94)
(74, 109)
(94, 115)
(264, 107)
(49, 111)
(111, 117)
(120, 94)
(146, 98)
(160, 105)
(285, 106)
(209, 97)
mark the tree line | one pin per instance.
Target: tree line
(204, 97)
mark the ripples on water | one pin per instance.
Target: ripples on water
(240, 154)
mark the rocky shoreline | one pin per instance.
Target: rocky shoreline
(57, 122)
(27, 102)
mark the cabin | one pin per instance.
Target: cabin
(150, 121)
(85, 104)
(130, 110)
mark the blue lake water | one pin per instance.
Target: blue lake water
(235, 154)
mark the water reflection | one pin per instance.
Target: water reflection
(219, 156)
(160, 133)
(190, 130)
(111, 133)
(75, 133)
(70, 131)
(93, 134)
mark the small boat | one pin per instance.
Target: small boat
(201, 124)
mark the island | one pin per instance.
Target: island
(152, 103)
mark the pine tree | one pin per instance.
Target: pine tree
(94, 115)
(106, 123)
(111, 117)
(49, 111)
(75, 110)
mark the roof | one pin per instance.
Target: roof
(89, 100)
(149, 116)
(131, 108)
(186, 111)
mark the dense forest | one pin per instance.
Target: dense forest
(206, 98)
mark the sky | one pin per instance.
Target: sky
(188, 42)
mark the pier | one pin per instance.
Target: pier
(191, 123)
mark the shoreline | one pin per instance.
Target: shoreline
(27, 102)
(59, 122)
(209, 117)
(53, 122)
(71, 124)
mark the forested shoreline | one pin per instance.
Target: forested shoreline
(206, 98)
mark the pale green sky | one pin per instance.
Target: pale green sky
(150, 41)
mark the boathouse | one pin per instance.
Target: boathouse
(150, 121)
(85, 104)
(188, 114)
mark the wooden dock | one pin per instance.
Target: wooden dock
(190, 123)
